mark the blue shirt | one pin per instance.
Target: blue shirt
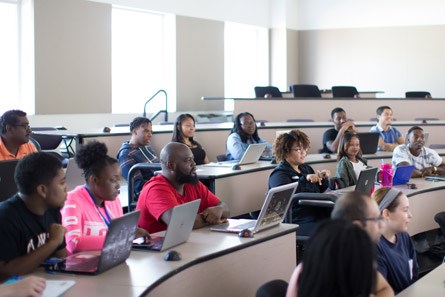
(389, 136)
(236, 148)
(397, 262)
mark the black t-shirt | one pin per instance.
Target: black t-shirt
(22, 231)
(198, 153)
(329, 135)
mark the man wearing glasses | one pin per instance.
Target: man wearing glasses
(360, 209)
(15, 134)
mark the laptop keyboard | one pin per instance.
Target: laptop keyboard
(247, 225)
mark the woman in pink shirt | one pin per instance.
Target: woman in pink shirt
(90, 208)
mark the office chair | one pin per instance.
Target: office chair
(49, 144)
(273, 91)
(344, 92)
(132, 196)
(273, 288)
(417, 94)
(305, 91)
(221, 158)
(322, 200)
(8, 186)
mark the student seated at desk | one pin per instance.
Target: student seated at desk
(333, 136)
(350, 161)
(177, 184)
(138, 150)
(15, 134)
(184, 132)
(396, 256)
(243, 133)
(290, 149)
(90, 208)
(425, 160)
(30, 222)
(390, 137)
(338, 262)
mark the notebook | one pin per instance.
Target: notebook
(7, 182)
(369, 142)
(116, 249)
(251, 155)
(402, 175)
(178, 230)
(365, 182)
(272, 213)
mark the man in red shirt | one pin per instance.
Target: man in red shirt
(177, 184)
(15, 134)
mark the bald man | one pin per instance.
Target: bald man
(177, 184)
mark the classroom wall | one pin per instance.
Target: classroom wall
(72, 57)
(199, 63)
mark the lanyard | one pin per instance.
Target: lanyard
(107, 220)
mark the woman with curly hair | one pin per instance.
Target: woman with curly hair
(89, 208)
(243, 133)
(290, 150)
(184, 133)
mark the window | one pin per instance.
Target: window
(142, 60)
(9, 60)
(246, 56)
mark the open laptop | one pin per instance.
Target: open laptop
(116, 249)
(251, 155)
(402, 175)
(364, 184)
(272, 213)
(369, 142)
(7, 182)
(178, 230)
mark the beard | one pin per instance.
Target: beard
(190, 178)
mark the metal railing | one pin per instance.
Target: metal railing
(160, 111)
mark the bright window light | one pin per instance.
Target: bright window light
(9, 78)
(246, 58)
(139, 67)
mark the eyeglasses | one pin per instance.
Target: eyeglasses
(300, 150)
(24, 126)
(375, 219)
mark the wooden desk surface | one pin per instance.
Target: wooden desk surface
(432, 284)
(213, 258)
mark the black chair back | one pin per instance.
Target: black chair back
(305, 91)
(132, 198)
(274, 92)
(8, 186)
(273, 288)
(344, 92)
(418, 94)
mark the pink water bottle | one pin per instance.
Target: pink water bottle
(385, 175)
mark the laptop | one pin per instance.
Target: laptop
(178, 230)
(402, 175)
(116, 249)
(251, 155)
(365, 182)
(369, 142)
(272, 213)
(7, 182)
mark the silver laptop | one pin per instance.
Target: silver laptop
(251, 155)
(178, 230)
(116, 249)
(272, 213)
